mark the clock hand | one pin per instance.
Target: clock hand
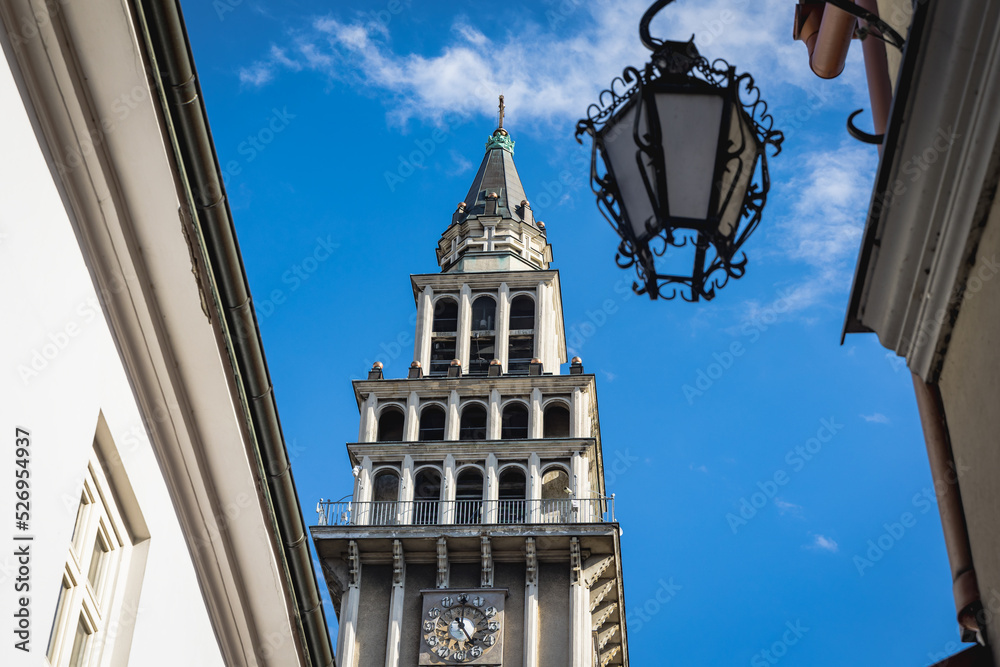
(462, 624)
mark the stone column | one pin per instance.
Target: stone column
(503, 326)
(368, 431)
(363, 493)
(448, 503)
(531, 605)
(425, 323)
(411, 423)
(579, 418)
(396, 605)
(584, 500)
(347, 641)
(534, 488)
(493, 418)
(406, 492)
(542, 325)
(451, 419)
(579, 610)
(535, 419)
(464, 327)
(492, 488)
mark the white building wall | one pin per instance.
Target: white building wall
(61, 369)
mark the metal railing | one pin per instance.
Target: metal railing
(466, 512)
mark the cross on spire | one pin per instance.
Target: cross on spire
(501, 112)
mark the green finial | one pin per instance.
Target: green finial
(500, 139)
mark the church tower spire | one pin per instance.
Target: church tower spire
(494, 228)
(479, 530)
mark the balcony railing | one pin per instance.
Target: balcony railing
(466, 512)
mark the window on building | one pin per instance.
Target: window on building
(426, 496)
(556, 506)
(556, 422)
(432, 423)
(385, 496)
(482, 345)
(444, 334)
(473, 423)
(512, 494)
(102, 573)
(469, 496)
(514, 423)
(521, 341)
(390, 425)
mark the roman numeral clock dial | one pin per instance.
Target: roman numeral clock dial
(462, 627)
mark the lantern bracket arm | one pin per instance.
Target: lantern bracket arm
(652, 43)
(888, 35)
(861, 135)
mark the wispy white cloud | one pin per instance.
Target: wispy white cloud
(547, 72)
(785, 507)
(460, 164)
(877, 418)
(257, 74)
(824, 543)
(700, 468)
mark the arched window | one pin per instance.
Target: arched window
(484, 310)
(432, 423)
(469, 496)
(385, 494)
(556, 421)
(444, 335)
(390, 425)
(513, 491)
(426, 496)
(445, 316)
(522, 313)
(521, 341)
(556, 505)
(514, 424)
(482, 345)
(473, 423)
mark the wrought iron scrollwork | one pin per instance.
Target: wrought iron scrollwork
(719, 257)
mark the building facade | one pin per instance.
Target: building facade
(926, 278)
(159, 524)
(479, 530)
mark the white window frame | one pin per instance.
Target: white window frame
(109, 511)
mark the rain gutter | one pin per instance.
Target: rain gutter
(166, 41)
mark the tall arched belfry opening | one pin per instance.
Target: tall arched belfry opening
(479, 531)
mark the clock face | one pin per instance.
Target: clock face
(462, 627)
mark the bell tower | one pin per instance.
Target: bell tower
(479, 531)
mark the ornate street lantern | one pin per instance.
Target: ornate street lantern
(679, 167)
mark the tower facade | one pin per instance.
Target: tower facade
(479, 531)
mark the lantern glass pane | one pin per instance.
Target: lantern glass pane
(735, 179)
(689, 127)
(620, 154)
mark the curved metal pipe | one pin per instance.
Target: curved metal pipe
(186, 119)
(965, 587)
(828, 50)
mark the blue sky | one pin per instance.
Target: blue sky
(348, 131)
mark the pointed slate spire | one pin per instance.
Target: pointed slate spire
(493, 228)
(497, 176)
